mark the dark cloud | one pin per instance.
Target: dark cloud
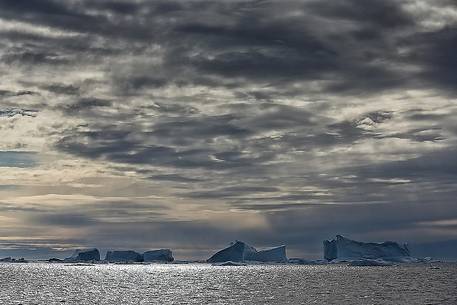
(249, 46)
(432, 134)
(174, 177)
(62, 89)
(8, 93)
(205, 127)
(175, 140)
(35, 58)
(233, 191)
(378, 13)
(435, 165)
(246, 43)
(85, 104)
(50, 13)
(433, 51)
(118, 7)
(140, 82)
(172, 109)
(38, 7)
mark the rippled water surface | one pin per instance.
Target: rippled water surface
(205, 284)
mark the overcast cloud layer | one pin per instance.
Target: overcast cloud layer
(187, 124)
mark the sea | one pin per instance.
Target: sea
(44, 283)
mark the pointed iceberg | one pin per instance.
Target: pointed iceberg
(274, 254)
(239, 251)
(235, 253)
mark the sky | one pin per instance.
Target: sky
(189, 124)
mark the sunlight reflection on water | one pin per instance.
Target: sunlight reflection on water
(205, 284)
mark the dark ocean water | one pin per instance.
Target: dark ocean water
(205, 284)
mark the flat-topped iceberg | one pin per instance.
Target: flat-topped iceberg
(343, 248)
(84, 255)
(239, 251)
(123, 256)
(129, 256)
(163, 255)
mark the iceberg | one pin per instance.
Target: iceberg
(164, 255)
(235, 253)
(6, 259)
(13, 260)
(123, 256)
(343, 248)
(84, 255)
(240, 252)
(274, 254)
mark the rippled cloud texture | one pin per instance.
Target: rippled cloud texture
(186, 124)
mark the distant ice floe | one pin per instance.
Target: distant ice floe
(370, 262)
(229, 263)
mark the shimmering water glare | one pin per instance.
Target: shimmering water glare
(205, 284)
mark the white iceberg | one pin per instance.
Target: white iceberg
(164, 255)
(123, 256)
(274, 254)
(84, 255)
(240, 252)
(343, 248)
